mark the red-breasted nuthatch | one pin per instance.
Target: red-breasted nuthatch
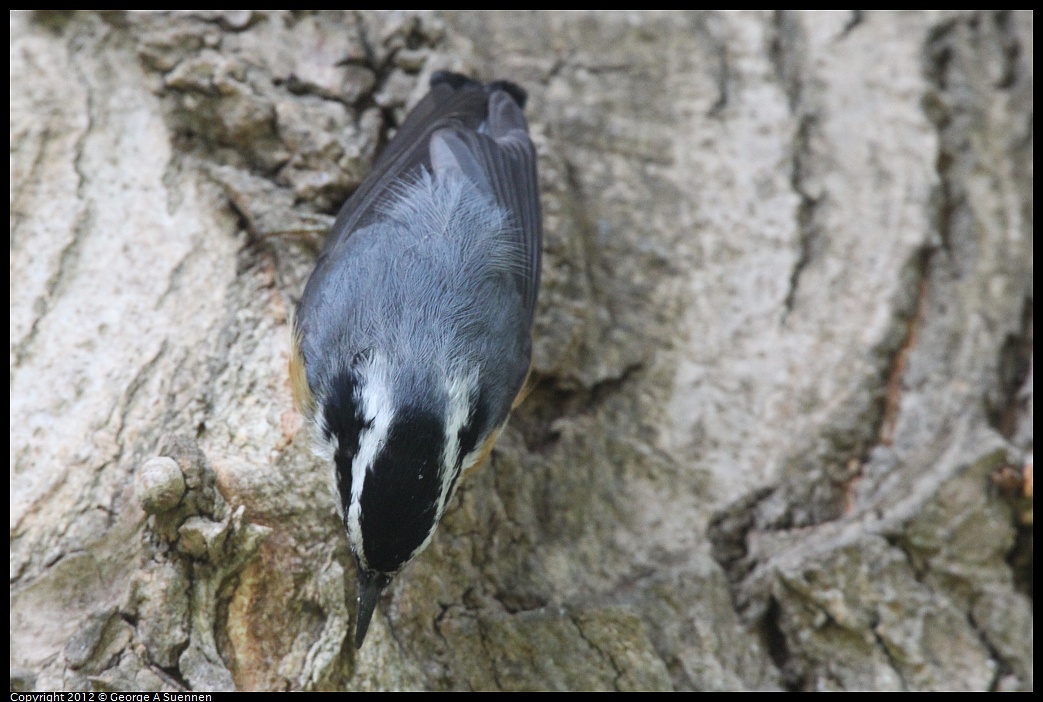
(413, 336)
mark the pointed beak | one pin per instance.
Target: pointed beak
(371, 584)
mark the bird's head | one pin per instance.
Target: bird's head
(396, 460)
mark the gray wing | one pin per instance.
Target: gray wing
(501, 159)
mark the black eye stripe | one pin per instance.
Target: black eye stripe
(342, 418)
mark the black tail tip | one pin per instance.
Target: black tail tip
(516, 92)
(453, 80)
(457, 81)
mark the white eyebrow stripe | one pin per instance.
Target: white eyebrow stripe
(459, 389)
(378, 412)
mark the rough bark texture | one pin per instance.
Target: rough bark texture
(783, 431)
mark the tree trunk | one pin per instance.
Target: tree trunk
(782, 434)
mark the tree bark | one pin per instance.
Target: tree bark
(782, 434)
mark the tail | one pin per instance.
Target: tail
(458, 81)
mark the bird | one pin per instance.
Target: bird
(412, 339)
